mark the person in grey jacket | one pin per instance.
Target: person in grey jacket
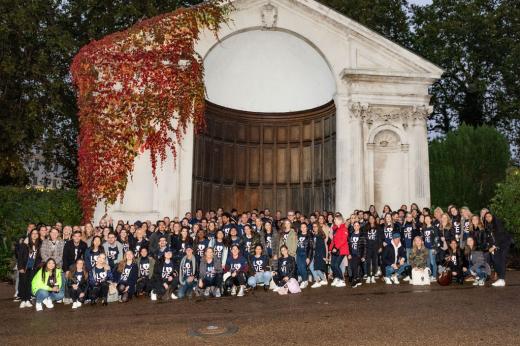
(53, 248)
(210, 274)
(113, 250)
(474, 263)
(187, 273)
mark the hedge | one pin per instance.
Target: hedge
(21, 206)
(506, 203)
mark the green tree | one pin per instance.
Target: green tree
(38, 40)
(466, 166)
(506, 203)
(387, 17)
(477, 43)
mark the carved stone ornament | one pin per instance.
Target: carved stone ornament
(269, 16)
(369, 114)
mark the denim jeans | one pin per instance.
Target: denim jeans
(389, 270)
(432, 262)
(259, 278)
(318, 275)
(335, 264)
(41, 295)
(186, 289)
(481, 273)
(301, 266)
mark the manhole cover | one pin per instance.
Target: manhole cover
(213, 329)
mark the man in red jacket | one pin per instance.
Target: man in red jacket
(339, 249)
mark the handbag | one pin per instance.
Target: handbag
(445, 276)
(420, 277)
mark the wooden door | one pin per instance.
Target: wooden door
(281, 161)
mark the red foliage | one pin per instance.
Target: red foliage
(138, 89)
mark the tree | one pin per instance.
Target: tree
(37, 104)
(387, 17)
(466, 165)
(506, 203)
(477, 43)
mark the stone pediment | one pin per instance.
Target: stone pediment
(364, 48)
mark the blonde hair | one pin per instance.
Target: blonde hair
(415, 249)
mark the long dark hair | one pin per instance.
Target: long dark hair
(74, 268)
(101, 249)
(44, 269)
(36, 243)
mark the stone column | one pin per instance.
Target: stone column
(350, 192)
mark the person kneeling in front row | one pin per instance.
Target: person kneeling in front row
(47, 285)
(394, 261)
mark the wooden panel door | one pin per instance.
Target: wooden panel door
(280, 161)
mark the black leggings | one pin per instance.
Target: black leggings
(371, 261)
(24, 284)
(354, 263)
(143, 285)
(159, 289)
(125, 296)
(500, 259)
(99, 291)
(74, 295)
(215, 281)
(239, 280)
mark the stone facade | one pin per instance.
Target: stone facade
(381, 97)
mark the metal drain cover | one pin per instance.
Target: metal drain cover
(213, 329)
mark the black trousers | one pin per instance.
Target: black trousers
(25, 283)
(354, 264)
(74, 295)
(143, 285)
(100, 290)
(239, 280)
(372, 261)
(500, 261)
(278, 280)
(216, 281)
(158, 288)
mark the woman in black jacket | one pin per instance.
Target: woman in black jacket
(454, 260)
(165, 277)
(304, 248)
(77, 283)
(286, 268)
(318, 264)
(374, 236)
(357, 243)
(501, 241)
(126, 276)
(29, 259)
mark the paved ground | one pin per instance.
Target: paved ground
(368, 315)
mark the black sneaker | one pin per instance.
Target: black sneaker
(266, 288)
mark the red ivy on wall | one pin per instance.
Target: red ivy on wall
(138, 89)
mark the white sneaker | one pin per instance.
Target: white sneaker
(476, 282)
(378, 272)
(316, 285)
(233, 291)
(304, 284)
(48, 303)
(22, 305)
(59, 301)
(334, 282)
(241, 292)
(395, 280)
(373, 279)
(217, 293)
(341, 283)
(67, 301)
(481, 282)
(153, 296)
(406, 278)
(173, 296)
(39, 307)
(206, 292)
(75, 305)
(276, 289)
(499, 283)
(359, 283)
(433, 279)
(388, 281)
(367, 281)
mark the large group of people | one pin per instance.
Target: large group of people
(217, 253)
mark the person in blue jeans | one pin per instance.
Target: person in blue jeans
(187, 269)
(394, 261)
(304, 248)
(430, 235)
(47, 285)
(259, 264)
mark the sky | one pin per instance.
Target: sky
(420, 2)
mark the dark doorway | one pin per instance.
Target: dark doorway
(280, 161)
